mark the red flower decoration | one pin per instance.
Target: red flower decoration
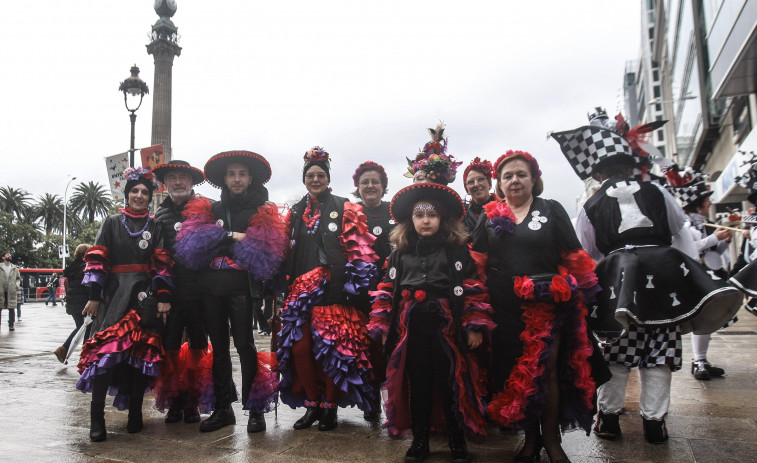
(560, 289)
(406, 294)
(498, 209)
(523, 287)
(420, 295)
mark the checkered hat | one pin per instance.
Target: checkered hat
(587, 146)
(692, 192)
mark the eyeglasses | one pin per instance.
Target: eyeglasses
(474, 181)
(369, 182)
(319, 176)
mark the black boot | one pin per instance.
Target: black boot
(218, 419)
(312, 414)
(418, 450)
(97, 431)
(458, 448)
(256, 422)
(191, 415)
(328, 418)
(174, 414)
(134, 424)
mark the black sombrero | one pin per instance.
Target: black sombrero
(215, 168)
(161, 170)
(402, 203)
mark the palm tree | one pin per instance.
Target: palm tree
(49, 209)
(16, 202)
(90, 200)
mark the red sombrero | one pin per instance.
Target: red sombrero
(161, 170)
(402, 203)
(215, 168)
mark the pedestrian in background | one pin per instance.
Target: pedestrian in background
(77, 296)
(10, 279)
(52, 288)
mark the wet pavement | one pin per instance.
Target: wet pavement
(43, 418)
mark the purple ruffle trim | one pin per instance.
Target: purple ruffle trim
(501, 225)
(261, 263)
(109, 361)
(167, 280)
(93, 277)
(343, 370)
(264, 392)
(294, 315)
(195, 249)
(360, 274)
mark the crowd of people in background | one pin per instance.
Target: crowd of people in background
(498, 310)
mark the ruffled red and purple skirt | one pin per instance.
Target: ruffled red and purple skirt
(186, 380)
(340, 343)
(124, 344)
(523, 398)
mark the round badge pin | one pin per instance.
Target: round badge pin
(143, 244)
(392, 222)
(146, 235)
(377, 230)
(219, 222)
(534, 225)
(392, 273)
(141, 295)
(458, 290)
(458, 265)
(332, 227)
(177, 226)
(334, 214)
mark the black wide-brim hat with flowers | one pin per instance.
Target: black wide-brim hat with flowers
(401, 207)
(162, 170)
(215, 168)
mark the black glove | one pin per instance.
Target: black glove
(149, 314)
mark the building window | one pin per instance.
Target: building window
(658, 107)
(656, 91)
(655, 75)
(660, 135)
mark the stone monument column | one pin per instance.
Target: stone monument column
(164, 46)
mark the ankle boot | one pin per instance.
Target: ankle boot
(134, 424)
(458, 448)
(97, 431)
(328, 417)
(419, 449)
(312, 414)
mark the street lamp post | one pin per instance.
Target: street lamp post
(133, 87)
(65, 193)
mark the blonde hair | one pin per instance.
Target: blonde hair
(81, 250)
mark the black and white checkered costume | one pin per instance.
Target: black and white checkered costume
(586, 146)
(645, 348)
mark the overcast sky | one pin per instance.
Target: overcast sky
(362, 79)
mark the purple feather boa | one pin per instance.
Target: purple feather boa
(262, 263)
(196, 247)
(501, 225)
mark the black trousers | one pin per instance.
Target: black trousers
(217, 313)
(185, 313)
(429, 368)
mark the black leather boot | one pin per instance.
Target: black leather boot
(97, 431)
(328, 418)
(458, 448)
(218, 419)
(312, 414)
(256, 422)
(419, 449)
(134, 424)
(174, 414)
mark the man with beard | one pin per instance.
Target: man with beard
(238, 242)
(178, 388)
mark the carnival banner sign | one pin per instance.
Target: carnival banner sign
(115, 166)
(152, 156)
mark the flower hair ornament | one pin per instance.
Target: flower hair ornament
(135, 173)
(510, 153)
(433, 159)
(484, 167)
(316, 154)
(368, 166)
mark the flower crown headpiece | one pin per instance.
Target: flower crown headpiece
(367, 166)
(433, 158)
(135, 173)
(484, 167)
(510, 153)
(316, 154)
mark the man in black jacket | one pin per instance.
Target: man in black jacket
(179, 177)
